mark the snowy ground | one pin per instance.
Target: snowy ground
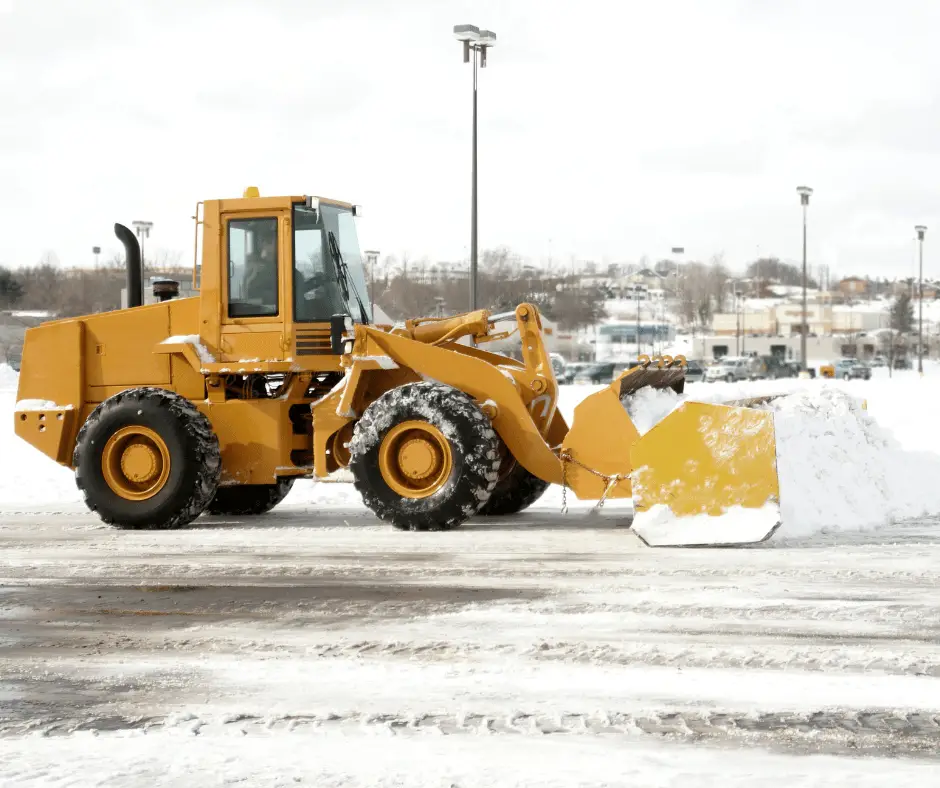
(315, 646)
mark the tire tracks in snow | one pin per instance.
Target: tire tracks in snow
(833, 731)
(780, 653)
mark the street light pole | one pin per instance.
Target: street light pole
(478, 41)
(371, 256)
(473, 196)
(143, 231)
(637, 294)
(743, 324)
(804, 192)
(920, 301)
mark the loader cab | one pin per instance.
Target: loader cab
(285, 267)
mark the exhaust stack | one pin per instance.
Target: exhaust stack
(135, 286)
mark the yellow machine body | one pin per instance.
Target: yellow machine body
(283, 400)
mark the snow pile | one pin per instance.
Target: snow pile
(839, 470)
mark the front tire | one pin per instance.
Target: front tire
(243, 500)
(424, 457)
(147, 458)
(517, 489)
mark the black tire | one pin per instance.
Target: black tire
(249, 499)
(195, 461)
(473, 444)
(516, 490)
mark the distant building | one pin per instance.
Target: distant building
(853, 286)
(618, 341)
(647, 277)
(435, 273)
(786, 319)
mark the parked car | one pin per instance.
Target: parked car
(851, 368)
(733, 368)
(600, 372)
(776, 367)
(694, 371)
(558, 365)
(570, 371)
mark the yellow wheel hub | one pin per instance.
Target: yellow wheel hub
(340, 452)
(415, 459)
(135, 463)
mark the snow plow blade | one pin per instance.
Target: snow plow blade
(706, 475)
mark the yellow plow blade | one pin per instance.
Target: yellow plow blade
(706, 475)
(598, 445)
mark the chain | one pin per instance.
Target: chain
(609, 481)
(564, 482)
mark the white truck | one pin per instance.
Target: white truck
(734, 368)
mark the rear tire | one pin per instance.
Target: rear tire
(450, 434)
(147, 458)
(518, 489)
(249, 499)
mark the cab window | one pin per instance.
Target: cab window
(317, 294)
(252, 267)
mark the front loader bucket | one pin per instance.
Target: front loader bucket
(706, 475)
(596, 451)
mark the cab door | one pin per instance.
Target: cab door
(256, 297)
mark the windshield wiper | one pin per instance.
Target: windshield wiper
(342, 276)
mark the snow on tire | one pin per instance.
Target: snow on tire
(147, 458)
(424, 457)
(516, 490)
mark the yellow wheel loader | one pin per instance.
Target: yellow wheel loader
(216, 403)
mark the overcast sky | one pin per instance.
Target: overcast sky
(608, 130)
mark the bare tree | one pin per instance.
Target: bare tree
(718, 278)
(893, 346)
(772, 269)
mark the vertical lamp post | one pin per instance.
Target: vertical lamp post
(743, 323)
(804, 192)
(678, 251)
(96, 250)
(636, 292)
(920, 301)
(371, 256)
(478, 41)
(143, 231)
